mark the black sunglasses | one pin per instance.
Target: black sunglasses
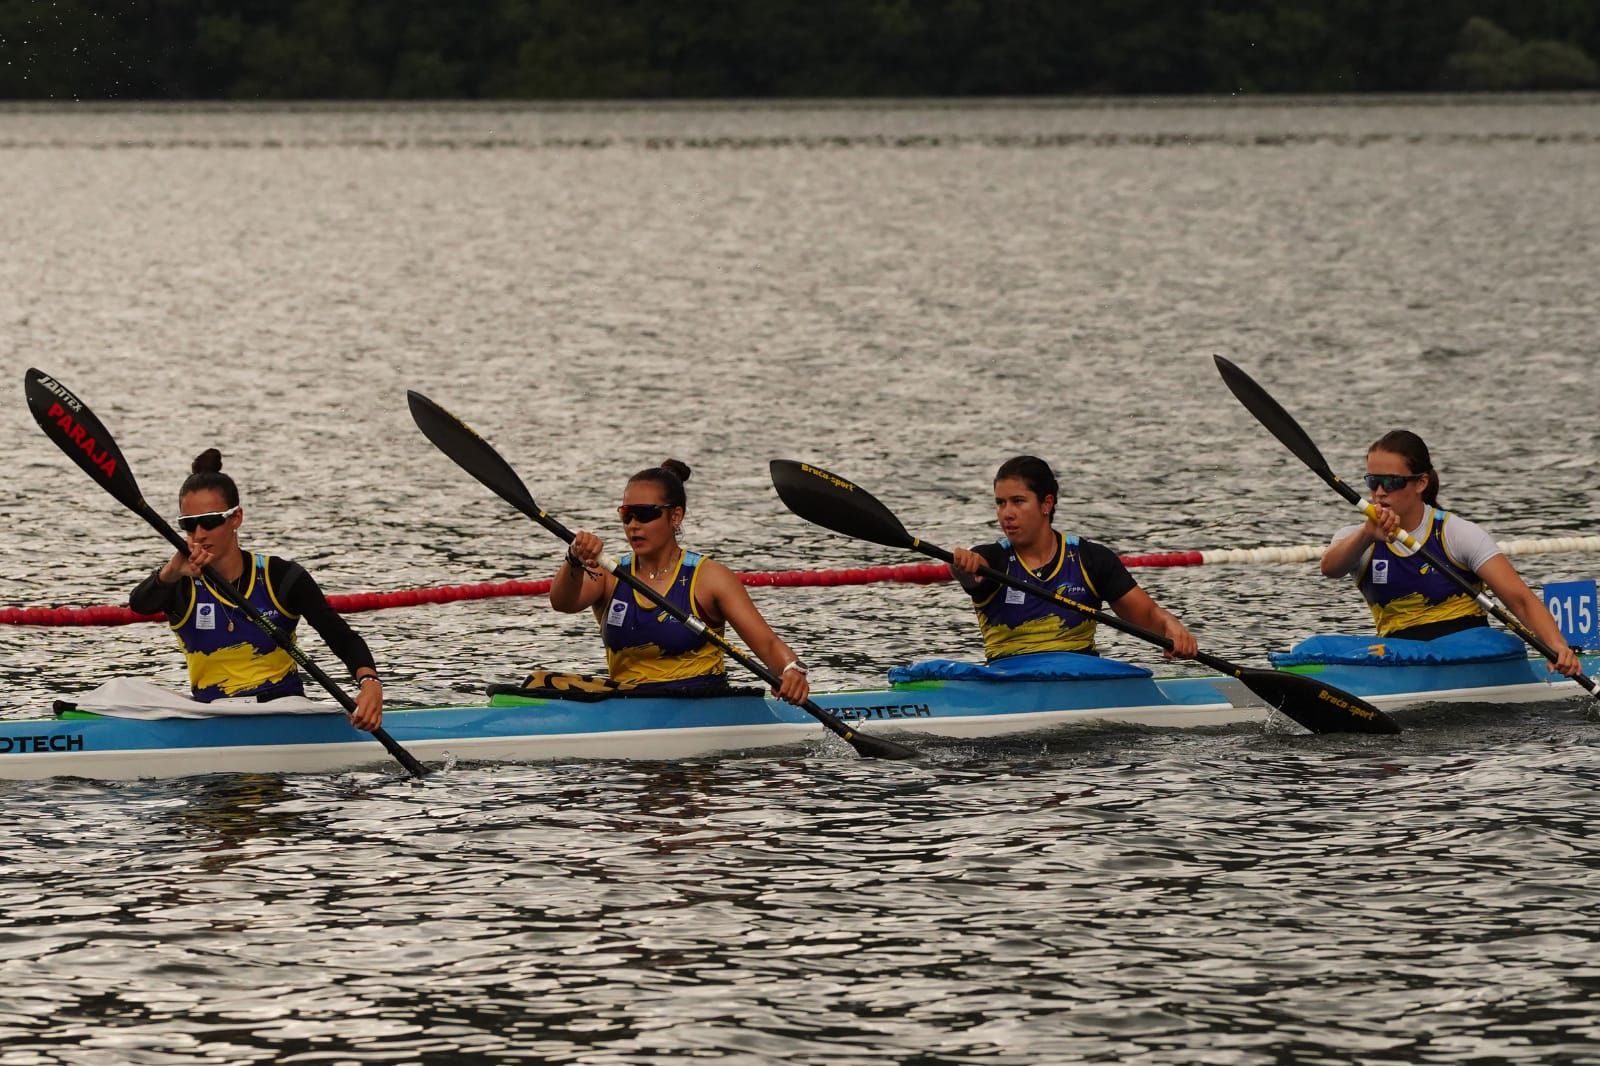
(1390, 482)
(641, 512)
(210, 520)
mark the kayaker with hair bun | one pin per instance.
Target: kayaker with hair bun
(1016, 623)
(229, 655)
(647, 648)
(1408, 597)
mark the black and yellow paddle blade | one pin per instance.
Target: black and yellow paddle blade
(835, 503)
(68, 421)
(471, 452)
(1319, 707)
(1281, 424)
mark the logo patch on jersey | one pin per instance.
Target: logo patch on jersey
(618, 613)
(1016, 596)
(205, 616)
(1380, 571)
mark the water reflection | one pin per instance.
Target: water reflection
(226, 814)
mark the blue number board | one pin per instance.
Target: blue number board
(1574, 605)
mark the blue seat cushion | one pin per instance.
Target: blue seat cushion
(1038, 666)
(1478, 645)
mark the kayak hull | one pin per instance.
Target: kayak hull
(526, 729)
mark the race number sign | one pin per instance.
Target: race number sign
(1574, 605)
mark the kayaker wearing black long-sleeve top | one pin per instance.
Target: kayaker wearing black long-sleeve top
(1014, 623)
(229, 655)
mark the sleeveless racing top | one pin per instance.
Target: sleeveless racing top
(229, 655)
(1014, 622)
(647, 646)
(1407, 591)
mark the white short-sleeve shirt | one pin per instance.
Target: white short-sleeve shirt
(1466, 542)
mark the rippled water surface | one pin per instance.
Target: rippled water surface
(907, 295)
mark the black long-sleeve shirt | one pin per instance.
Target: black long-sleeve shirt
(1103, 567)
(295, 589)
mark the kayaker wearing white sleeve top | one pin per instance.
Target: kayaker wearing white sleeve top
(1410, 599)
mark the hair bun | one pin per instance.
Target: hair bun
(207, 462)
(677, 467)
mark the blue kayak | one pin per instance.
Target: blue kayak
(513, 727)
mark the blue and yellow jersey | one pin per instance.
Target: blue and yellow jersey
(1014, 622)
(647, 646)
(228, 654)
(1406, 591)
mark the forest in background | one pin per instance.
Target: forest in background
(697, 49)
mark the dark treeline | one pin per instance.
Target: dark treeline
(630, 49)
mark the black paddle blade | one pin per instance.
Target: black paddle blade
(1280, 424)
(471, 452)
(1318, 707)
(68, 421)
(878, 748)
(834, 503)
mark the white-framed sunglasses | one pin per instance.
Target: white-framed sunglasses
(210, 520)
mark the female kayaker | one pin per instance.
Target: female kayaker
(1016, 623)
(646, 647)
(228, 654)
(1409, 598)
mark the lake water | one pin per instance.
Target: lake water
(906, 294)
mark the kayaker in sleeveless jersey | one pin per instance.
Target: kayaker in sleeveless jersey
(228, 654)
(645, 646)
(1409, 598)
(1016, 623)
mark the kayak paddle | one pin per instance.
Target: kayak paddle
(1283, 426)
(68, 422)
(480, 459)
(837, 504)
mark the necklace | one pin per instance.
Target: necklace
(231, 588)
(225, 604)
(656, 575)
(1038, 570)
